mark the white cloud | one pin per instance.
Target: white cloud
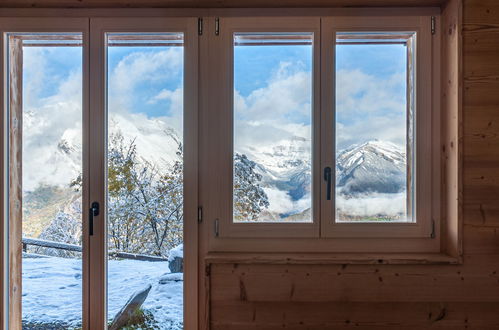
(138, 68)
(280, 202)
(372, 204)
(370, 107)
(50, 120)
(53, 112)
(276, 112)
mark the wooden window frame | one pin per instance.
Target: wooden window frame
(94, 130)
(420, 237)
(12, 155)
(224, 48)
(427, 134)
(98, 113)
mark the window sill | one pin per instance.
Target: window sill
(332, 258)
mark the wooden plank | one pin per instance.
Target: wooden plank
(15, 53)
(331, 258)
(355, 283)
(481, 11)
(213, 3)
(330, 315)
(451, 127)
(483, 214)
(481, 139)
(481, 239)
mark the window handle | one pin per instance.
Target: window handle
(327, 178)
(94, 211)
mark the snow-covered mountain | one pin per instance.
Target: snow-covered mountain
(284, 166)
(55, 158)
(372, 167)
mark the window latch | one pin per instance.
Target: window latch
(327, 178)
(94, 211)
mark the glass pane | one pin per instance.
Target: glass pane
(50, 66)
(374, 125)
(272, 127)
(145, 183)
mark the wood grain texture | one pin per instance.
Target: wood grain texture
(212, 3)
(466, 296)
(15, 180)
(451, 126)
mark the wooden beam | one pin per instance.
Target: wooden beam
(452, 128)
(15, 74)
(214, 3)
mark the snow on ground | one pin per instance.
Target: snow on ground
(52, 290)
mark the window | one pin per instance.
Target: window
(145, 215)
(47, 92)
(374, 127)
(270, 96)
(383, 145)
(273, 127)
(371, 129)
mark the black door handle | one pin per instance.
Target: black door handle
(94, 211)
(327, 178)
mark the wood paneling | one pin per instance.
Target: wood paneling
(211, 3)
(335, 296)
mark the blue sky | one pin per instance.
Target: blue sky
(152, 83)
(272, 101)
(254, 63)
(272, 84)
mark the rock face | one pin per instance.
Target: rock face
(132, 305)
(176, 259)
(176, 265)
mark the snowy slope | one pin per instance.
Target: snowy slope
(52, 289)
(372, 167)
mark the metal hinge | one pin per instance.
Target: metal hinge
(200, 26)
(216, 228)
(217, 26)
(200, 214)
(433, 25)
(432, 235)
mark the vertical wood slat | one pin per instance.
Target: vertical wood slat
(451, 127)
(15, 181)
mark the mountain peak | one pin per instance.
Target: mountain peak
(373, 166)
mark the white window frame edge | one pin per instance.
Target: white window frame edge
(425, 196)
(225, 238)
(224, 43)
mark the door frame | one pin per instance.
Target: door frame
(94, 256)
(11, 201)
(97, 315)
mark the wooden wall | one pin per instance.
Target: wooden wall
(253, 296)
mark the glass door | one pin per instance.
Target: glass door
(148, 104)
(99, 174)
(45, 106)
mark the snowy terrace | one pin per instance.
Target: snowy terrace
(52, 290)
